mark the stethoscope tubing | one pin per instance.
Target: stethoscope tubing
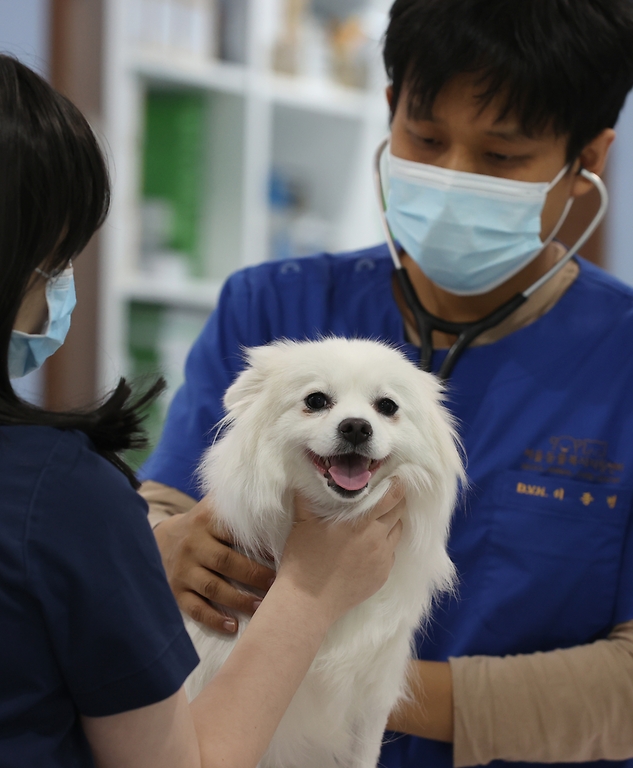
(467, 332)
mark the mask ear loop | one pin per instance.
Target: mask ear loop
(595, 223)
(382, 208)
(561, 221)
(50, 276)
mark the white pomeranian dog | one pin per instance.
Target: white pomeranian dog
(336, 420)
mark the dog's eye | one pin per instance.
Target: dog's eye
(386, 406)
(317, 401)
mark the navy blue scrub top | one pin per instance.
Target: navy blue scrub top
(88, 623)
(543, 542)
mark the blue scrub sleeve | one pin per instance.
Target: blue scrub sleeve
(93, 565)
(215, 359)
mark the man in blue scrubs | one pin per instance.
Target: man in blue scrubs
(505, 100)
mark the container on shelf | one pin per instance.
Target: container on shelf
(296, 229)
(177, 27)
(144, 367)
(233, 15)
(159, 341)
(173, 181)
(335, 40)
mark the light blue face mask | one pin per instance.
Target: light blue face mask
(469, 233)
(27, 352)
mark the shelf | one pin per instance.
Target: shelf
(312, 94)
(191, 294)
(189, 72)
(316, 95)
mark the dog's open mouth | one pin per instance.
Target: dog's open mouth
(347, 473)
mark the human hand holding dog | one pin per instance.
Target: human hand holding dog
(338, 566)
(198, 560)
(196, 557)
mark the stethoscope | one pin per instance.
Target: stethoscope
(466, 333)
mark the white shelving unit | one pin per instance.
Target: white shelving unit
(258, 121)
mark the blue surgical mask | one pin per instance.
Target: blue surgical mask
(27, 352)
(469, 233)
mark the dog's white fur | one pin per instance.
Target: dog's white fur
(338, 715)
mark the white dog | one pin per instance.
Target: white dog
(336, 420)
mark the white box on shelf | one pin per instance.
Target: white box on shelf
(194, 27)
(149, 23)
(188, 27)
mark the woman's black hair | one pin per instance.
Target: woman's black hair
(54, 195)
(561, 65)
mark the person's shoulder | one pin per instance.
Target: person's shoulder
(32, 449)
(75, 476)
(601, 305)
(321, 267)
(30, 437)
(56, 479)
(295, 297)
(71, 451)
(27, 453)
(604, 285)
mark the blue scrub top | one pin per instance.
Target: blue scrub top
(543, 541)
(88, 624)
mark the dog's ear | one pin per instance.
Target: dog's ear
(250, 382)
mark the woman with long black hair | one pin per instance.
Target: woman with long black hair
(93, 652)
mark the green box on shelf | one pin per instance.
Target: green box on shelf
(174, 162)
(145, 324)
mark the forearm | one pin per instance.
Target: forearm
(237, 714)
(164, 501)
(570, 705)
(428, 710)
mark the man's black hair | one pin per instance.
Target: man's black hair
(561, 65)
(54, 194)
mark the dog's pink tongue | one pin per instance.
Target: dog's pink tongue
(350, 471)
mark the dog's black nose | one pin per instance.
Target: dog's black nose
(355, 431)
